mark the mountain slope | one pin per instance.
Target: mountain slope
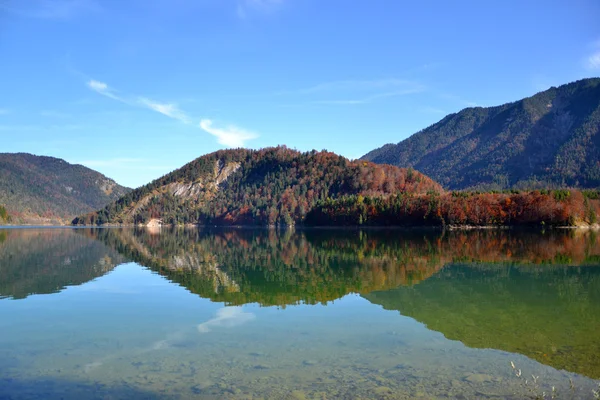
(263, 187)
(551, 138)
(33, 188)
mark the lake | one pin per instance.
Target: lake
(317, 314)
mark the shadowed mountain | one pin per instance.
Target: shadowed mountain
(39, 189)
(549, 139)
(43, 261)
(548, 313)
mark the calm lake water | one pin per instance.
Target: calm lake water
(318, 314)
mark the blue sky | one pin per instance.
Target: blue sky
(137, 88)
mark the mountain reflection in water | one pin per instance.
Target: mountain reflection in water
(536, 294)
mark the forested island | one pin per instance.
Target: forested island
(283, 187)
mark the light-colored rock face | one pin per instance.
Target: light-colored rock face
(222, 171)
(204, 187)
(186, 190)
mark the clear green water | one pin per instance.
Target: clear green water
(246, 314)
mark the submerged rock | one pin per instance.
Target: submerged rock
(478, 378)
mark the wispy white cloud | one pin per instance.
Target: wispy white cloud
(230, 136)
(247, 7)
(168, 109)
(593, 61)
(227, 317)
(105, 90)
(49, 9)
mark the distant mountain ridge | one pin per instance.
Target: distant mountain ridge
(35, 189)
(549, 139)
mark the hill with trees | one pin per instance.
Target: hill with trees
(549, 140)
(272, 186)
(37, 189)
(508, 208)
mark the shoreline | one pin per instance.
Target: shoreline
(593, 227)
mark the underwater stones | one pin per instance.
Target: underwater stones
(298, 395)
(382, 390)
(478, 378)
(201, 386)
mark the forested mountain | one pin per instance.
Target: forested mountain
(37, 189)
(256, 187)
(549, 139)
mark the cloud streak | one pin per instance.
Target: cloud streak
(230, 136)
(103, 89)
(593, 61)
(168, 109)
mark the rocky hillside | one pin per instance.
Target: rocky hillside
(255, 187)
(550, 139)
(36, 189)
